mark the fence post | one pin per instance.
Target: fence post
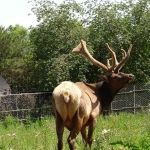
(16, 103)
(134, 98)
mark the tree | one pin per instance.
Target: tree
(61, 27)
(58, 32)
(120, 24)
(15, 56)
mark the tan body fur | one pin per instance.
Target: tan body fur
(78, 98)
(66, 101)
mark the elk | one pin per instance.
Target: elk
(77, 105)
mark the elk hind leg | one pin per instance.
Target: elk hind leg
(77, 124)
(59, 130)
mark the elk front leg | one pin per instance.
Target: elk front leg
(83, 133)
(59, 130)
(92, 125)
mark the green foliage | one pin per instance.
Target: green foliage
(124, 131)
(62, 26)
(10, 121)
(15, 56)
(28, 135)
(39, 58)
(120, 25)
(53, 39)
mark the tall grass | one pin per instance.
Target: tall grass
(115, 132)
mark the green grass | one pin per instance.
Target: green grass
(115, 132)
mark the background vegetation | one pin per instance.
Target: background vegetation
(40, 57)
(115, 132)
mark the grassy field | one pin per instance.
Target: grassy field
(114, 132)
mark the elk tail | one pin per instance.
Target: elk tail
(66, 95)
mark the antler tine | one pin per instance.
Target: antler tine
(114, 59)
(124, 54)
(124, 60)
(108, 62)
(82, 49)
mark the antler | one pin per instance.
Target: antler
(124, 60)
(113, 60)
(109, 61)
(82, 49)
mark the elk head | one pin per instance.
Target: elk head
(114, 78)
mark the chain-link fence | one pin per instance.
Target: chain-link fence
(133, 98)
(24, 105)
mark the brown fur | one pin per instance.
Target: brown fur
(94, 99)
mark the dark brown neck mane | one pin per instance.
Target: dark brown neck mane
(105, 93)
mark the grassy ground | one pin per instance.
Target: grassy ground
(114, 132)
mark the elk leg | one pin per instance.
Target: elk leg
(71, 139)
(59, 130)
(77, 124)
(91, 129)
(83, 133)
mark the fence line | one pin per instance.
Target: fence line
(132, 98)
(21, 105)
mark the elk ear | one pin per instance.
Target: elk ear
(104, 78)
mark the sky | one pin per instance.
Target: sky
(14, 12)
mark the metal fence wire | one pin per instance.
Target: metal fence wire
(24, 105)
(133, 98)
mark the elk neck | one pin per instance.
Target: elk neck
(106, 93)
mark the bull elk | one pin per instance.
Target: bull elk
(77, 105)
